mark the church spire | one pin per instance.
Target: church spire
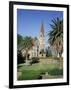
(42, 38)
(42, 29)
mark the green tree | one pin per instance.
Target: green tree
(20, 58)
(27, 45)
(19, 42)
(19, 39)
(56, 35)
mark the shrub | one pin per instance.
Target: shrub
(55, 71)
(34, 60)
(20, 58)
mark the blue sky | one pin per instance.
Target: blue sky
(29, 21)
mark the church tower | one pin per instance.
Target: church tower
(42, 39)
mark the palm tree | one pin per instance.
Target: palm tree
(20, 58)
(56, 35)
(26, 45)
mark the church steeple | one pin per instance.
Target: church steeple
(42, 29)
(42, 38)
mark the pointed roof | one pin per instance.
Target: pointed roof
(42, 29)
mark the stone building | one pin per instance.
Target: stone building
(42, 39)
(38, 45)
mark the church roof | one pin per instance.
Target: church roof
(33, 42)
(42, 29)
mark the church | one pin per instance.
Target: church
(38, 48)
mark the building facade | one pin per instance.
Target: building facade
(38, 45)
(42, 39)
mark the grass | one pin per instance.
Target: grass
(55, 71)
(35, 71)
(30, 75)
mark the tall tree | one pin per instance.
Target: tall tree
(19, 53)
(27, 45)
(56, 35)
(19, 41)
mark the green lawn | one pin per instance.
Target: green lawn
(35, 71)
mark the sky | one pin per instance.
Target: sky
(29, 21)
